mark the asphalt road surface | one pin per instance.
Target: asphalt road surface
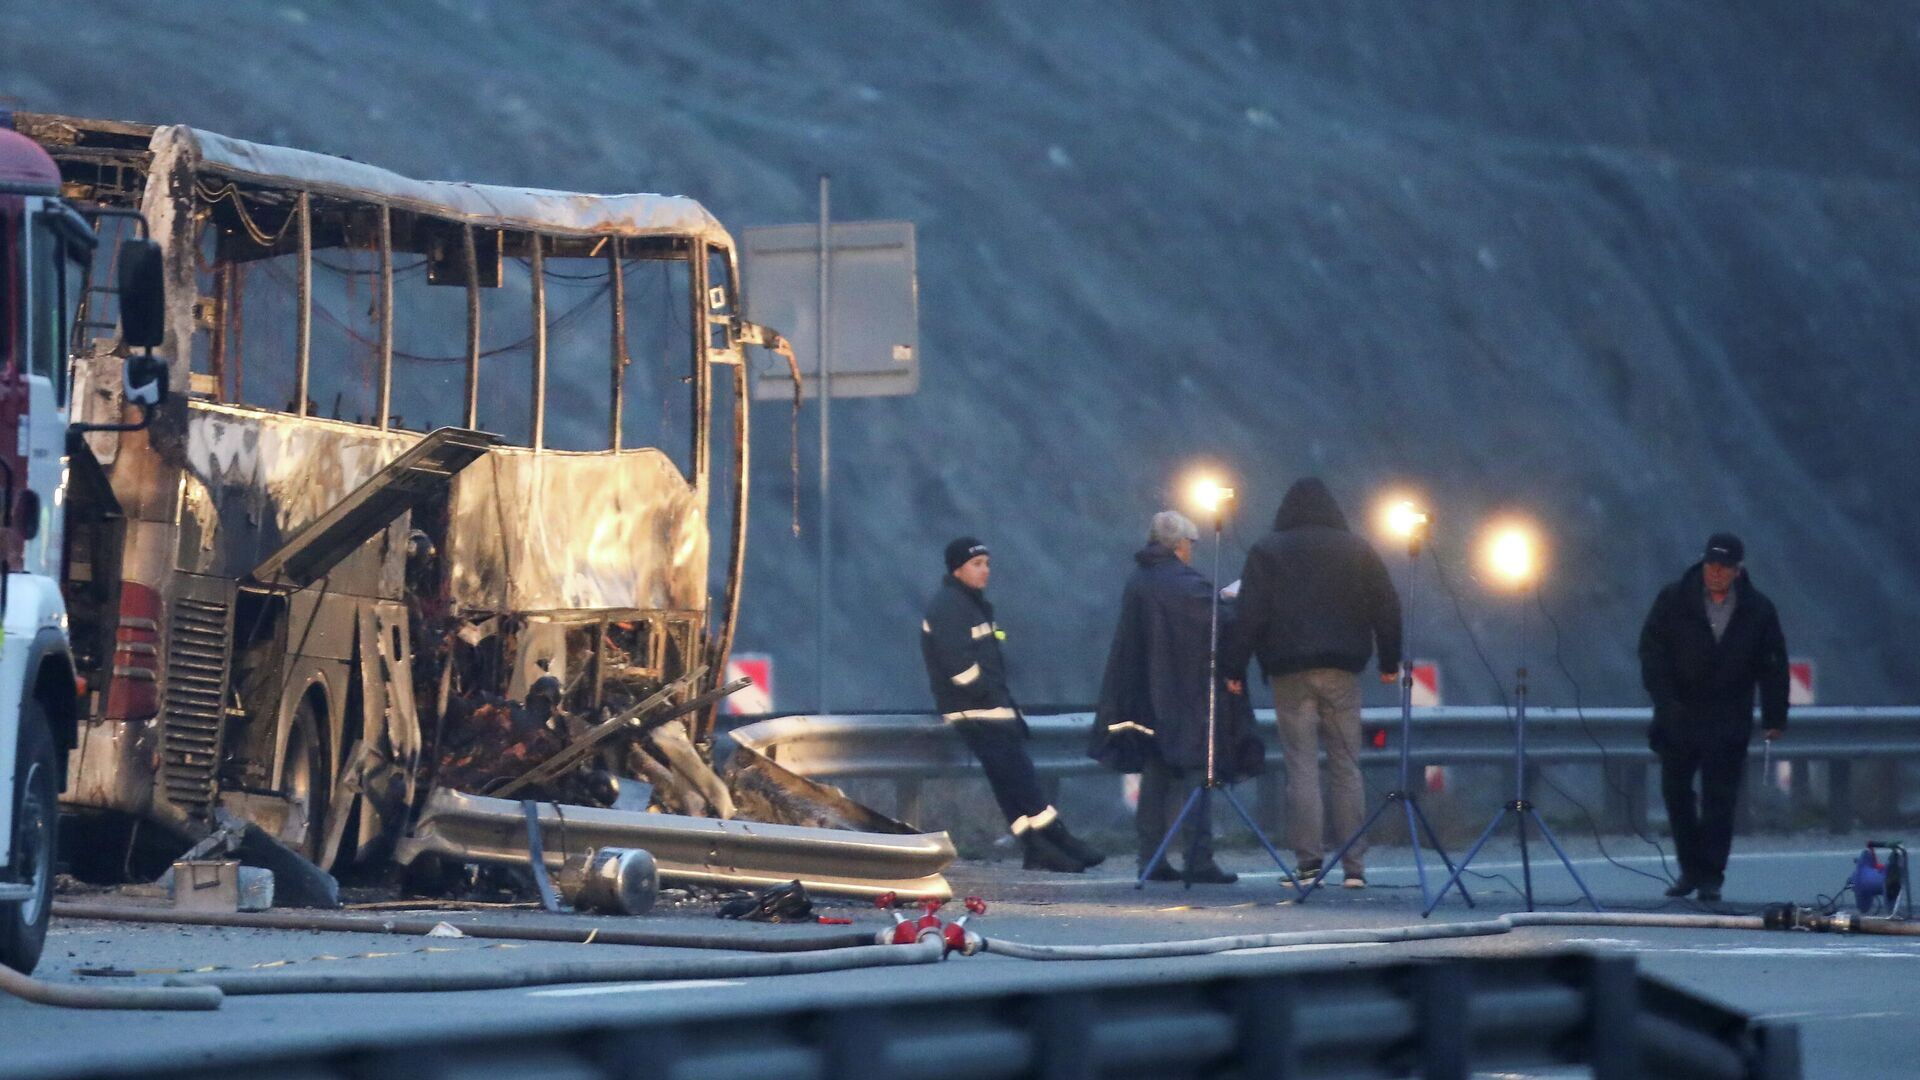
(1846, 993)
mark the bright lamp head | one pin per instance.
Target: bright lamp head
(1405, 520)
(1513, 554)
(1209, 495)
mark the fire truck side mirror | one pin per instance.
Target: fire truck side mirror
(26, 515)
(143, 295)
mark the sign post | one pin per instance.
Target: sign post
(849, 293)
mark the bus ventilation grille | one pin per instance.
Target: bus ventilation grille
(196, 686)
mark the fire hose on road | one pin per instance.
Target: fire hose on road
(650, 969)
(164, 998)
(1380, 936)
(417, 926)
(908, 942)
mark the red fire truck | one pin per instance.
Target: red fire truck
(46, 250)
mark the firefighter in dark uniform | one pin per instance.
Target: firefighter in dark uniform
(961, 644)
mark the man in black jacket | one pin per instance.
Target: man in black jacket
(1152, 715)
(1709, 641)
(961, 644)
(1315, 602)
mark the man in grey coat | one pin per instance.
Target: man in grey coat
(1152, 714)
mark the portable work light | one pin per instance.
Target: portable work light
(1208, 494)
(1402, 518)
(1406, 519)
(1513, 554)
(1512, 557)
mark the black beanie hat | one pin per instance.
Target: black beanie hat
(1724, 549)
(959, 551)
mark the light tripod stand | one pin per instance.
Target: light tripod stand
(1513, 559)
(1411, 524)
(1215, 499)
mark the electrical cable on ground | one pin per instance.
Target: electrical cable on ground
(1580, 713)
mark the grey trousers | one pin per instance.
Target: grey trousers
(1320, 709)
(1163, 793)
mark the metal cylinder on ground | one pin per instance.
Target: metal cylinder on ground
(612, 881)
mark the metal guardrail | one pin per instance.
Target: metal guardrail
(700, 851)
(1445, 1019)
(908, 748)
(894, 745)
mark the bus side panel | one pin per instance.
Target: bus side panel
(570, 532)
(257, 478)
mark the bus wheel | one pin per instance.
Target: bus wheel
(302, 783)
(23, 925)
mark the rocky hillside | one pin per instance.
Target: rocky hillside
(1642, 270)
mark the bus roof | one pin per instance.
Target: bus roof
(485, 205)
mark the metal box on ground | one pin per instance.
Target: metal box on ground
(219, 885)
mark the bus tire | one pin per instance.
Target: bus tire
(303, 783)
(23, 924)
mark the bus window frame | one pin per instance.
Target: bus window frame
(702, 323)
(688, 251)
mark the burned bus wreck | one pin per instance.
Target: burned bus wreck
(435, 506)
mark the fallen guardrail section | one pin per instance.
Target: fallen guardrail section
(907, 748)
(688, 850)
(1441, 1019)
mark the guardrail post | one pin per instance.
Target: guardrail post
(1062, 1025)
(1877, 799)
(1776, 1051)
(1268, 1046)
(1444, 994)
(1269, 798)
(851, 1042)
(1626, 794)
(1839, 795)
(906, 800)
(1050, 787)
(1613, 1018)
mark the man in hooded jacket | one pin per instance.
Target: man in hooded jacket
(1152, 714)
(1709, 642)
(1315, 602)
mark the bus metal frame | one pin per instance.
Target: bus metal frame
(304, 610)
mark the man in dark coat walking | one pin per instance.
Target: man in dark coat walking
(1152, 715)
(960, 643)
(1709, 642)
(1315, 602)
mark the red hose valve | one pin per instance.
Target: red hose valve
(961, 940)
(953, 936)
